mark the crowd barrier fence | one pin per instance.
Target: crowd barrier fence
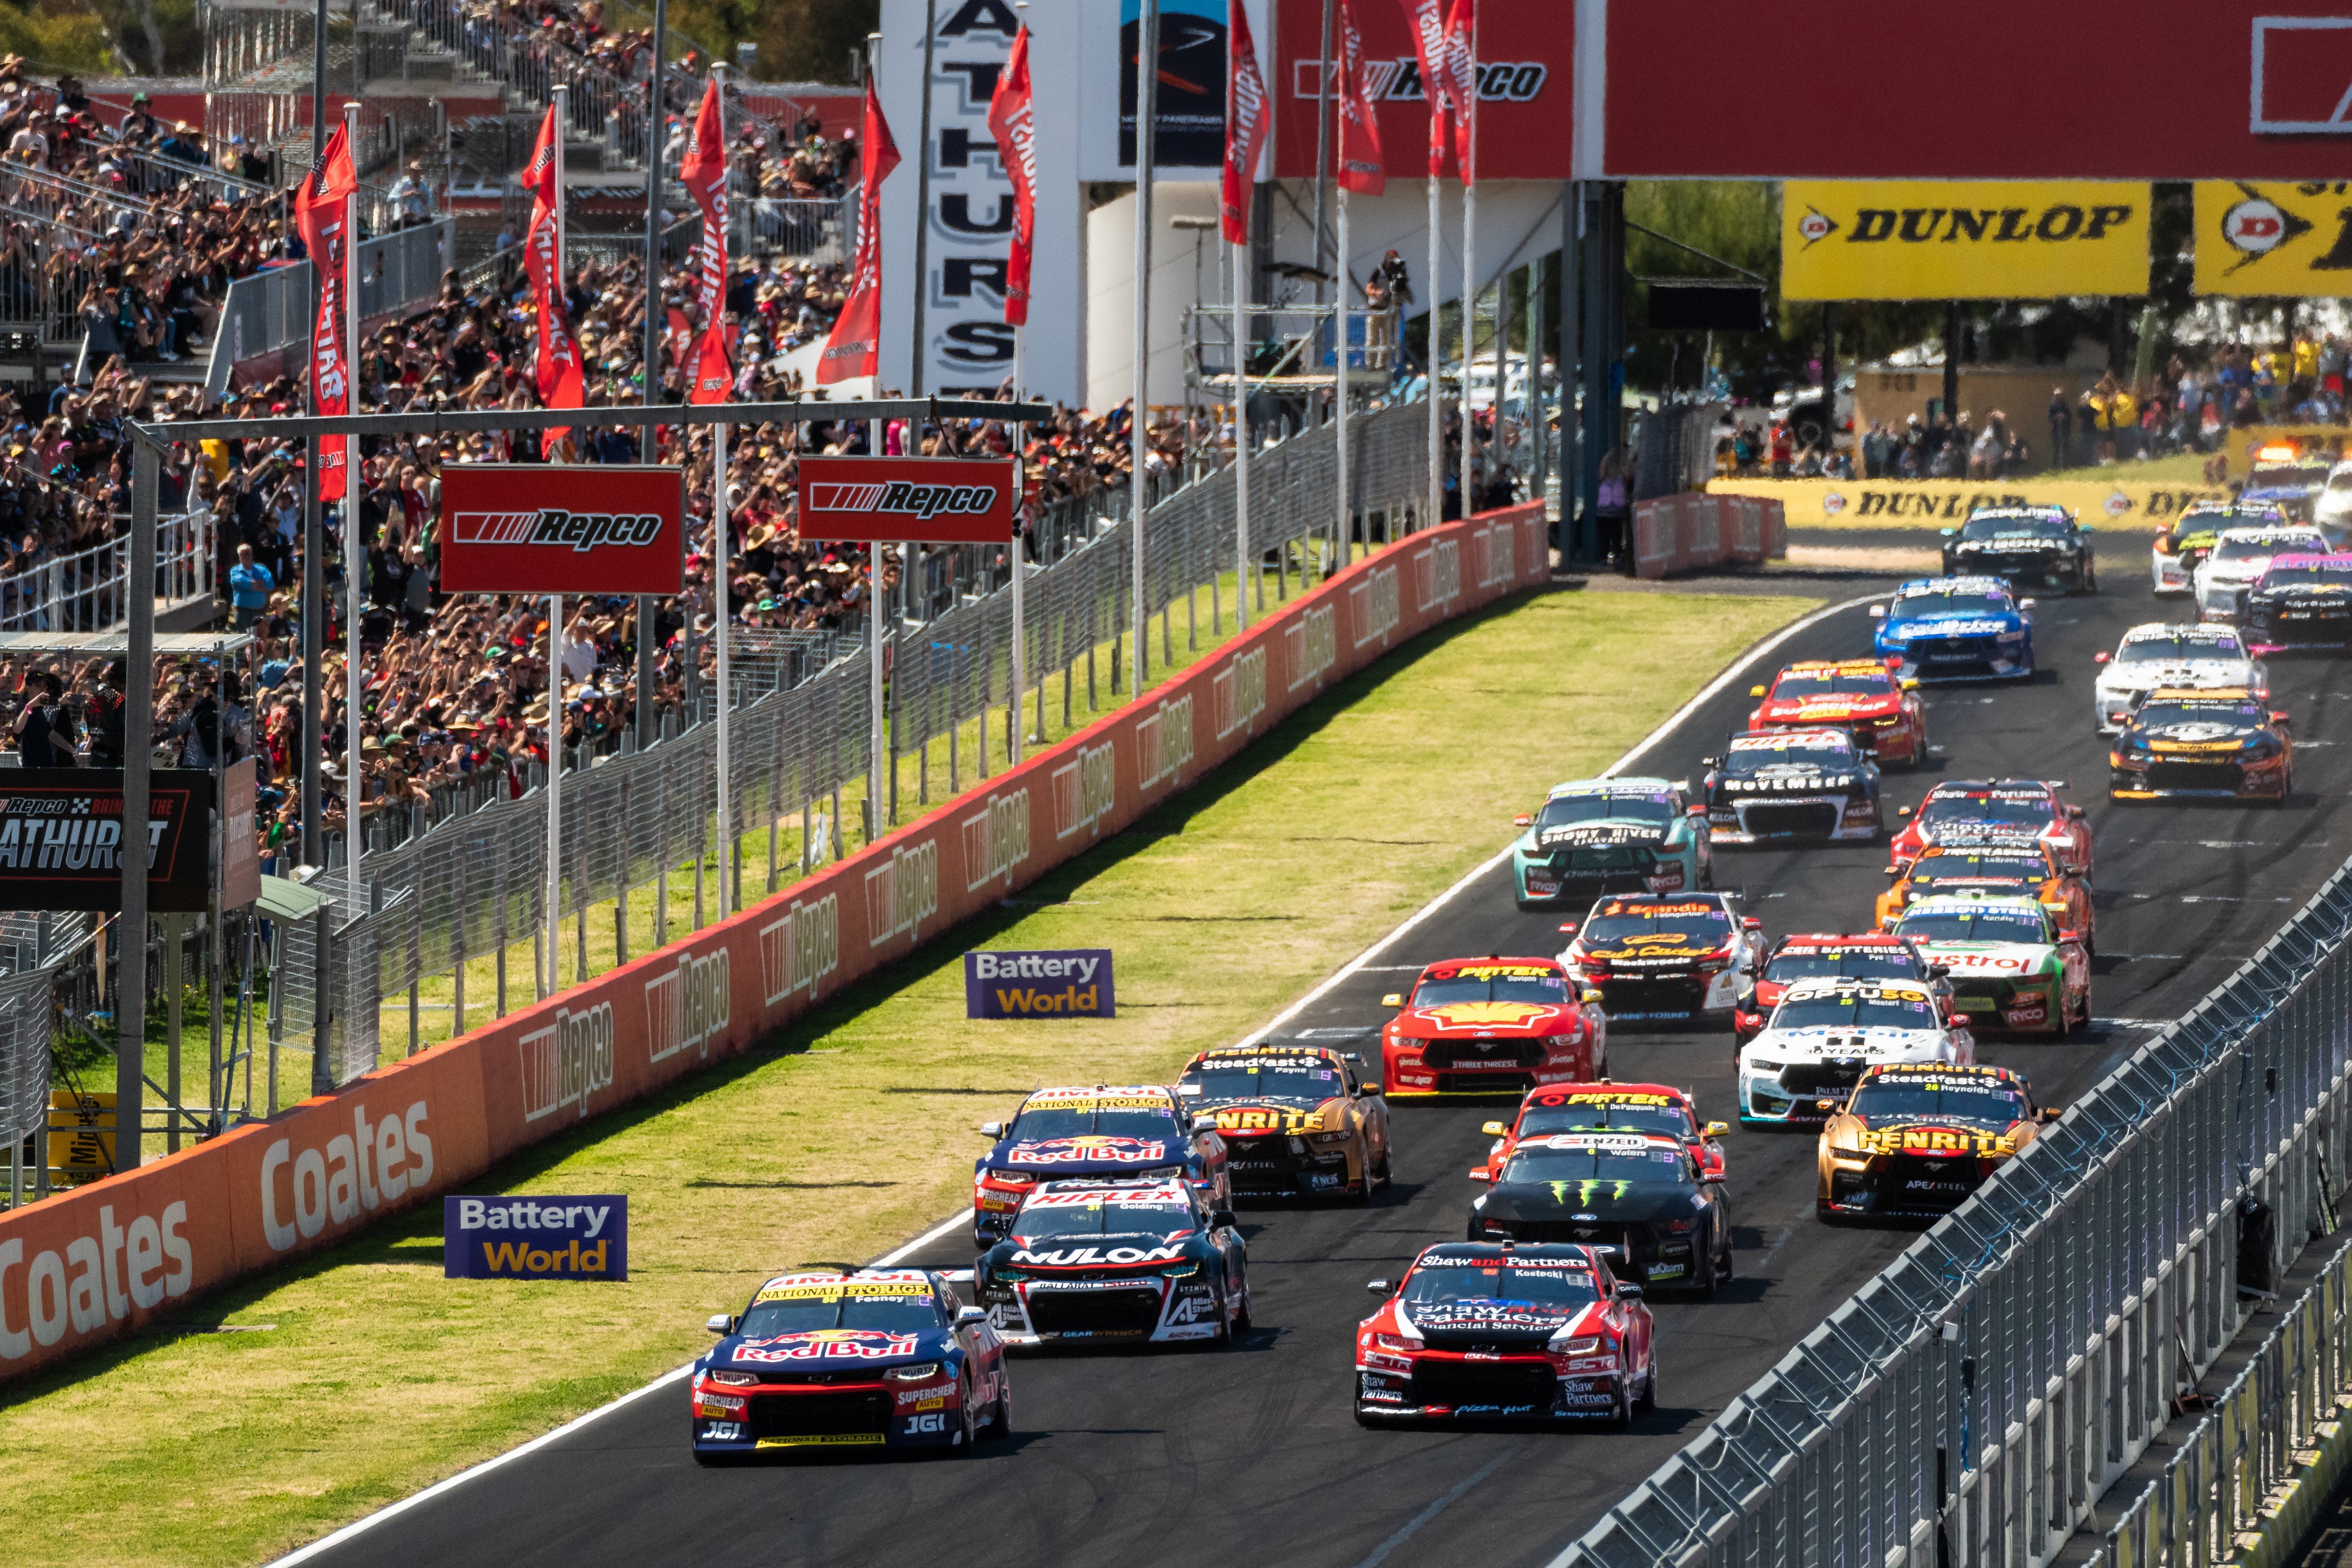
(1680, 533)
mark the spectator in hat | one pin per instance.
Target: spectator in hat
(411, 195)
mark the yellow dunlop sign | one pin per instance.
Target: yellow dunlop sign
(2274, 240)
(1961, 239)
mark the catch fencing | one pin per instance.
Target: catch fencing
(266, 318)
(1972, 1401)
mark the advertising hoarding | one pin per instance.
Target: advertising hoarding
(931, 500)
(535, 1237)
(1962, 239)
(61, 831)
(2274, 238)
(1055, 983)
(549, 528)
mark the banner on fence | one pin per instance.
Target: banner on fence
(547, 527)
(931, 500)
(1680, 533)
(535, 1237)
(1930, 504)
(1062, 983)
(61, 837)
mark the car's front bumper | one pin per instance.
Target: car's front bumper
(826, 1417)
(1819, 818)
(1292, 1165)
(2163, 780)
(1541, 885)
(2030, 569)
(1125, 1308)
(2294, 631)
(1639, 996)
(1899, 1186)
(2030, 1008)
(1927, 660)
(1435, 1386)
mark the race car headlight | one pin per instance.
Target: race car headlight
(1006, 1179)
(1178, 1270)
(1489, 1227)
(732, 1379)
(1583, 1344)
(1762, 1065)
(920, 1371)
(1681, 1227)
(1003, 1276)
(1163, 1173)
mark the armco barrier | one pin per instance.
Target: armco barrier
(1677, 532)
(90, 1264)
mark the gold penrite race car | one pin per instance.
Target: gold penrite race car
(1297, 1121)
(2222, 744)
(1916, 1139)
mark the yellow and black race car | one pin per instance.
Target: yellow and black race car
(1913, 1139)
(1297, 1121)
(2222, 744)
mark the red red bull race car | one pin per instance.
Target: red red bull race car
(1491, 1026)
(1860, 955)
(1863, 696)
(1964, 811)
(1607, 1108)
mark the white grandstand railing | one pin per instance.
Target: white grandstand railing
(85, 591)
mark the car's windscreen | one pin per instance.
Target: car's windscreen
(1545, 990)
(1963, 1100)
(1688, 925)
(803, 1312)
(2340, 480)
(1748, 755)
(2262, 546)
(2014, 528)
(1646, 1162)
(2221, 716)
(2177, 647)
(2305, 572)
(1976, 925)
(1916, 606)
(1854, 962)
(2195, 523)
(2024, 810)
(1440, 1283)
(1856, 1012)
(1044, 1216)
(1569, 809)
(1039, 1122)
(2288, 476)
(1266, 1080)
(1839, 683)
(1540, 1119)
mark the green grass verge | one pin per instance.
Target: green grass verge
(366, 1375)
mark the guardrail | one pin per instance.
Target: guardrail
(266, 315)
(1971, 1402)
(83, 592)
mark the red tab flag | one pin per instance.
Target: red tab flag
(1462, 73)
(855, 346)
(555, 364)
(321, 212)
(1360, 167)
(1012, 117)
(1427, 20)
(703, 172)
(1246, 117)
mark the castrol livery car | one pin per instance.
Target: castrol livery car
(1861, 696)
(2013, 967)
(1664, 959)
(2301, 603)
(1485, 1332)
(1117, 1261)
(1297, 1121)
(875, 1358)
(1104, 1133)
(2182, 548)
(2159, 655)
(1824, 955)
(1489, 1026)
(1778, 785)
(2032, 546)
(1593, 837)
(2241, 556)
(1638, 1192)
(1995, 811)
(1914, 1142)
(1823, 1035)
(1956, 628)
(1607, 1108)
(2220, 745)
(2023, 868)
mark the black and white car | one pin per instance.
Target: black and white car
(2030, 546)
(1774, 784)
(2159, 653)
(2240, 557)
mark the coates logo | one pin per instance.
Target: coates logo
(913, 500)
(580, 530)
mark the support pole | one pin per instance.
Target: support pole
(1020, 649)
(1436, 503)
(1241, 257)
(730, 880)
(1147, 113)
(1470, 284)
(355, 549)
(1326, 70)
(554, 894)
(874, 787)
(915, 382)
(1340, 284)
(138, 758)
(314, 647)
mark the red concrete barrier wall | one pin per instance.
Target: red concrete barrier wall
(85, 1266)
(1678, 533)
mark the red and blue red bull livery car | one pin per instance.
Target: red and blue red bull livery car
(1505, 1332)
(1106, 1133)
(880, 1358)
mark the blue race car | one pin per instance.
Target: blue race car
(1956, 628)
(1597, 836)
(875, 1358)
(1105, 1132)
(1100, 1261)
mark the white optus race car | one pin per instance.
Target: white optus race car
(2158, 654)
(2239, 557)
(1825, 1032)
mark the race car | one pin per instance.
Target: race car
(1914, 1142)
(2013, 967)
(2222, 744)
(1541, 1333)
(1491, 1026)
(1825, 1032)
(2032, 546)
(874, 1358)
(1137, 1130)
(2240, 557)
(1138, 1260)
(1296, 1119)
(1663, 960)
(1995, 811)
(2023, 868)
(2182, 548)
(1607, 1107)
(1861, 696)
(1611, 836)
(2156, 654)
(2331, 511)
(1862, 955)
(2300, 602)
(1956, 628)
(2293, 485)
(1779, 784)
(1639, 1192)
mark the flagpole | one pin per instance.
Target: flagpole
(354, 559)
(1146, 109)
(1012, 736)
(1436, 341)
(562, 123)
(874, 757)
(730, 889)
(1470, 277)
(1340, 284)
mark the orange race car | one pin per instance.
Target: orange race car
(2024, 867)
(1606, 1107)
(1863, 696)
(1914, 1140)
(1491, 1026)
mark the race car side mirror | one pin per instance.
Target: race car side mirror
(1393, 999)
(1939, 972)
(1715, 1129)
(1902, 811)
(1830, 1105)
(1223, 1219)
(1372, 1088)
(1495, 1130)
(1523, 820)
(1711, 1178)
(1592, 995)
(1377, 1287)
(720, 1323)
(2101, 657)
(1755, 691)
(2282, 717)
(1478, 1173)
(1891, 871)
(2070, 936)
(1710, 763)
(2074, 871)
(2074, 811)
(1946, 532)
(1628, 1292)
(1877, 611)
(1696, 808)
(992, 1129)
(1568, 928)
(1909, 683)
(1749, 923)
(2051, 1113)
(2026, 604)
(970, 1315)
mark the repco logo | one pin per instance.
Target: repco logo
(1239, 691)
(995, 840)
(690, 1007)
(917, 500)
(903, 894)
(568, 1061)
(799, 951)
(578, 531)
(1085, 790)
(1398, 80)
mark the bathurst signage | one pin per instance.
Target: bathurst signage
(62, 838)
(931, 500)
(532, 527)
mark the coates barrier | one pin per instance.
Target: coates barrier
(92, 1264)
(1677, 532)
(1971, 1402)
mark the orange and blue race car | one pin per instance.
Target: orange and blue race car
(1607, 1107)
(1863, 697)
(1914, 1140)
(1485, 1026)
(2023, 865)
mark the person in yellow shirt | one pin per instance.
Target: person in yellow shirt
(215, 458)
(2123, 418)
(2307, 357)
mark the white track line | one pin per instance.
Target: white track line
(393, 1510)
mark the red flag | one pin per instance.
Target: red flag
(703, 172)
(1246, 117)
(1427, 20)
(1462, 72)
(855, 345)
(555, 366)
(321, 208)
(1360, 167)
(1012, 117)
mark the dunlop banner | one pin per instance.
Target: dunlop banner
(1961, 239)
(1928, 504)
(2274, 238)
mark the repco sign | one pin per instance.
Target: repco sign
(931, 500)
(553, 529)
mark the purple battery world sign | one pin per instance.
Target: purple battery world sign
(1057, 983)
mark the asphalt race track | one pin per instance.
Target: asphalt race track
(1251, 1456)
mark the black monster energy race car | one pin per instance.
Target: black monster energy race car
(1637, 1191)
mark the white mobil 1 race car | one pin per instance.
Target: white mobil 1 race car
(2156, 654)
(1825, 1034)
(2239, 557)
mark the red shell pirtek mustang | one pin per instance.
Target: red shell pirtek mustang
(1861, 696)
(1607, 1107)
(1490, 1025)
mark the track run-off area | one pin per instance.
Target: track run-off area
(1253, 1455)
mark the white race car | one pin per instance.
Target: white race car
(2331, 512)
(2157, 654)
(2239, 557)
(2182, 548)
(1824, 1032)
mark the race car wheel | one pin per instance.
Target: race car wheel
(1703, 1260)
(1227, 1334)
(1242, 1320)
(1000, 1414)
(967, 1437)
(1649, 1400)
(1363, 1192)
(1387, 1172)
(1621, 1414)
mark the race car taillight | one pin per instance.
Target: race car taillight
(1395, 1342)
